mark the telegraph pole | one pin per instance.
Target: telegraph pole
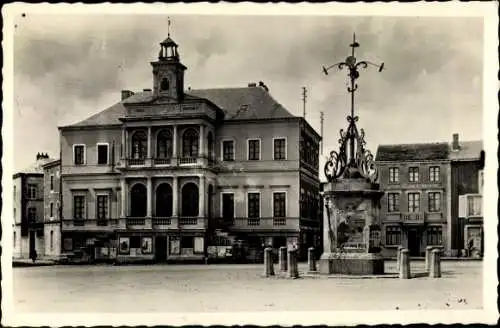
(304, 100)
(322, 119)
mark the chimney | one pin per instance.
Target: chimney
(252, 85)
(456, 144)
(126, 94)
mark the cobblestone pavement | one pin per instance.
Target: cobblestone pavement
(199, 288)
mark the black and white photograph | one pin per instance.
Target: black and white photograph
(182, 164)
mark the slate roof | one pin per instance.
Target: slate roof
(413, 152)
(36, 167)
(469, 150)
(237, 103)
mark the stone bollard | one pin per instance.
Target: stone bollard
(293, 270)
(435, 267)
(428, 251)
(311, 260)
(268, 262)
(283, 259)
(404, 268)
(398, 258)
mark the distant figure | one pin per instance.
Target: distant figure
(34, 256)
(470, 247)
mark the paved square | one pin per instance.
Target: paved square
(210, 288)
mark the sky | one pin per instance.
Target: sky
(69, 67)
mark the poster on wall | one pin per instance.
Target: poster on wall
(147, 245)
(175, 246)
(198, 245)
(124, 245)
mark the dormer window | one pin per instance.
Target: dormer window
(164, 84)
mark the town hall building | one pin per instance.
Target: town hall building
(155, 176)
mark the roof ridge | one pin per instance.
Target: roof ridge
(415, 144)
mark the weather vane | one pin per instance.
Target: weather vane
(352, 64)
(352, 160)
(168, 34)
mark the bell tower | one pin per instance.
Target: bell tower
(168, 72)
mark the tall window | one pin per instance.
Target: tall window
(102, 207)
(32, 214)
(303, 203)
(413, 202)
(434, 236)
(279, 149)
(393, 202)
(228, 206)
(393, 235)
(434, 202)
(480, 181)
(253, 149)
(52, 240)
(253, 205)
(138, 200)
(164, 144)
(78, 207)
(190, 199)
(279, 204)
(434, 173)
(51, 182)
(139, 145)
(393, 174)
(102, 154)
(190, 140)
(51, 210)
(474, 205)
(210, 145)
(164, 200)
(79, 154)
(413, 174)
(32, 191)
(228, 150)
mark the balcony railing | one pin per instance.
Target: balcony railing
(90, 224)
(188, 221)
(188, 160)
(136, 161)
(265, 223)
(136, 221)
(413, 217)
(162, 221)
(162, 161)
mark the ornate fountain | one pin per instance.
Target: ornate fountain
(351, 223)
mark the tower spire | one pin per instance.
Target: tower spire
(168, 32)
(304, 101)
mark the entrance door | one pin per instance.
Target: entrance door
(161, 249)
(414, 242)
(32, 246)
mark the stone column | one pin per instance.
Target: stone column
(123, 148)
(268, 262)
(123, 194)
(201, 210)
(283, 259)
(175, 199)
(428, 251)
(404, 269)
(311, 260)
(127, 146)
(201, 151)
(293, 270)
(149, 154)
(174, 142)
(398, 257)
(149, 198)
(435, 267)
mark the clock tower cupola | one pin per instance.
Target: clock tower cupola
(168, 72)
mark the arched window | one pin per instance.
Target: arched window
(164, 144)
(164, 84)
(164, 200)
(139, 145)
(190, 141)
(210, 144)
(138, 200)
(190, 199)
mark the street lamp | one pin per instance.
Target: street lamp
(355, 161)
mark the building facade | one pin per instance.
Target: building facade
(157, 175)
(467, 163)
(28, 211)
(415, 208)
(52, 209)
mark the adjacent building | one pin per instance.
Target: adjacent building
(415, 208)
(28, 210)
(433, 196)
(52, 209)
(158, 174)
(467, 163)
